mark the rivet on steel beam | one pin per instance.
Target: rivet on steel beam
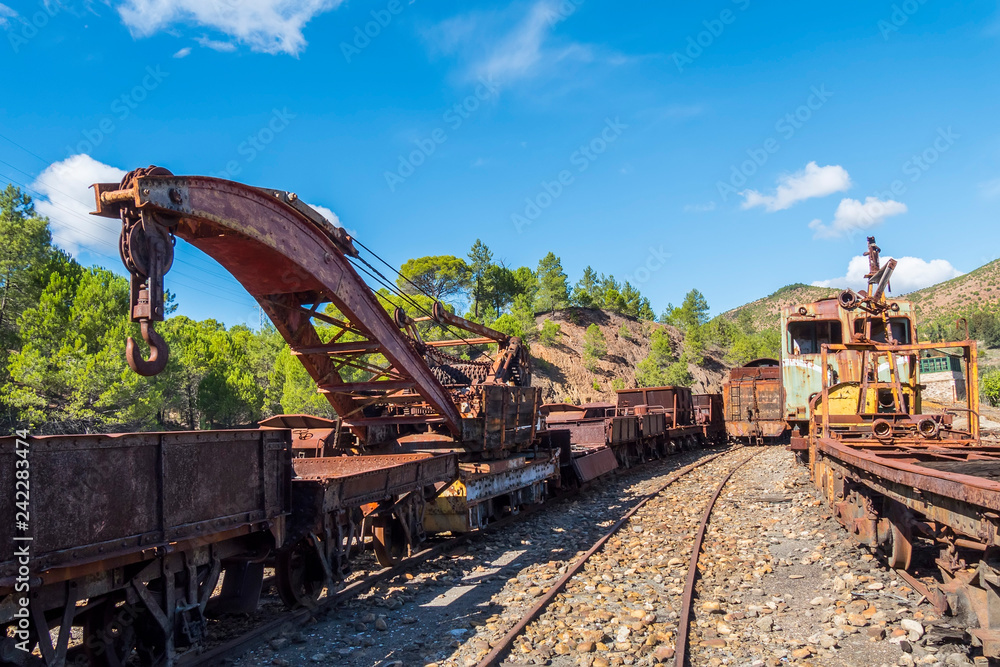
(292, 196)
(145, 191)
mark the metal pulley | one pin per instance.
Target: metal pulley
(146, 246)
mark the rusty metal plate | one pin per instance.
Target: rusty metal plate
(591, 466)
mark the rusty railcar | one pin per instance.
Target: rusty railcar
(754, 401)
(806, 328)
(681, 430)
(710, 415)
(127, 535)
(919, 486)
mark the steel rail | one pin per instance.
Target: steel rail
(493, 657)
(684, 622)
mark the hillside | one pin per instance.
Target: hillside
(952, 298)
(560, 372)
(766, 313)
(943, 302)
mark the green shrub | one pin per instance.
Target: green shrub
(550, 333)
(594, 344)
(989, 385)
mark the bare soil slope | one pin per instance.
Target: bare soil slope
(954, 297)
(560, 372)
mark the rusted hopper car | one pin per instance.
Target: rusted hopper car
(754, 400)
(710, 416)
(674, 403)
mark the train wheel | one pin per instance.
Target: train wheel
(109, 636)
(389, 542)
(300, 575)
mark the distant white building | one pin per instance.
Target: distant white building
(942, 378)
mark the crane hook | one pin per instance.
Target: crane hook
(159, 352)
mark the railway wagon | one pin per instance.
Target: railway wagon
(710, 415)
(681, 430)
(586, 437)
(754, 401)
(124, 537)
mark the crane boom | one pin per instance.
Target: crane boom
(293, 262)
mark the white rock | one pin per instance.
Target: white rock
(913, 628)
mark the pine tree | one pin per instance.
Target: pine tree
(553, 288)
(480, 260)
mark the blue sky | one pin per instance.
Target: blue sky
(732, 146)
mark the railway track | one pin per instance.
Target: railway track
(279, 623)
(659, 531)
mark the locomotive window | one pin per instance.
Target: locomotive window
(807, 337)
(900, 329)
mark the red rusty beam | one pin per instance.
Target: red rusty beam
(455, 343)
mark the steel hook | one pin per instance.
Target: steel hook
(159, 352)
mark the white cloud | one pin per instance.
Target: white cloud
(699, 208)
(183, 53)
(68, 201)
(912, 273)
(215, 45)
(990, 189)
(5, 14)
(852, 215)
(520, 51)
(328, 214)
(523, 51)
(813, 181)
(269, 26)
